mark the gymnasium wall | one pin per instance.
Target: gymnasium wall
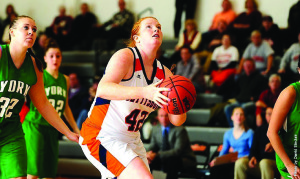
(44, 11)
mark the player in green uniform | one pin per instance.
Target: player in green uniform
(41, 138)
(21, 74)
(284, 131)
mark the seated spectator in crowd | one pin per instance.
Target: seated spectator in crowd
(190, 37)
(169, 148)
(260, 51)
(189, 67)
(247, 90)
(60, 29)
(40, 46)
(289, 64)
(224, 61)
(271, 34)
(227, 15)
(5, 37)
(210, 40)
(78, 95)
(238, 139)
(119, 26)
(245, 23)
(92, 93)
(268, 98)
(293, 24)
(82, 28)
(261, 161)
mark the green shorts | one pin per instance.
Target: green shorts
(42, 149)
(13, 158)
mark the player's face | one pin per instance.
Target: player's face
(53, 58)
(163, 118)
(150, 32)
(238, 116)
(24, 32)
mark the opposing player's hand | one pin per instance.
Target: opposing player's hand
(153, 93)
(73, 137)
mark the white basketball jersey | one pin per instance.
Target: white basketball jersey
(124, 118)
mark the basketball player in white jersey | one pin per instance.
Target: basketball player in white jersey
(126, 95)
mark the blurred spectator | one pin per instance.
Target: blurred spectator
(182, 5)
(119, 26)
(268, 98)
(293, 23)
(245, 23)
(82, 28)
(290, 74)
(227, 15)
(169, 148)
(210, 40)
(190, 37)
(189, 67)
(260, 51)
(247, 90)
(261, 161)
(92, 93)
(5, 37)
(60, 29)
(224, 61)
(271, 34)
(238, 139)
(78, 95)
(40, 46)
(10, 10)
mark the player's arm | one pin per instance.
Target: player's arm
(119, 67)
(176, 120)
(38, 97)
(281, 109)
(68, 113)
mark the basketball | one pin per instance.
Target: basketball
(182, 94)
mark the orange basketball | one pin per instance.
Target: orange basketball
(182, 94)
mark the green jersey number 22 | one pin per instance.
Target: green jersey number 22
(58, 106)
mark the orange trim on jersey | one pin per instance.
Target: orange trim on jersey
(138, 66)
(89, 133)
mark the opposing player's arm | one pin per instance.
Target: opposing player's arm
(68, 113)
(281, 109)
(121, 67)
(38, 97)
(176, 120)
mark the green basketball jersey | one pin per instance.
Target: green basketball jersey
(14, 86)
(290, 133)
(56, 92)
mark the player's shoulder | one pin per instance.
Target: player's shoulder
(125, 55)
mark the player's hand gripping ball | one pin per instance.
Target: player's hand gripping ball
(182, 94)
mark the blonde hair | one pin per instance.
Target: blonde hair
(191, 22)
(135, 31)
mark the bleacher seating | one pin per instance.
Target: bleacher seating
(80, 62)
(72, 161)
(197, 117)
(205, 100)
